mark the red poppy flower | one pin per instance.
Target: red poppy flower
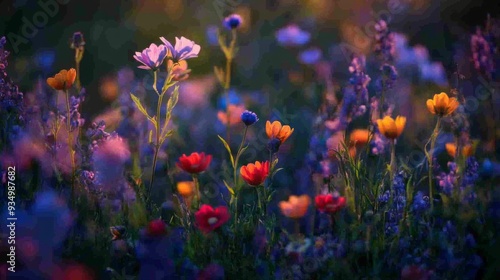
(208, 218)
(156, 228)
(329, 203)
(255, 174)
(194, 163)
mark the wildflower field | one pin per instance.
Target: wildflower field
(233, 139)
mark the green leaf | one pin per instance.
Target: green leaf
(274, 163)
(141, 108)
(276, 171)
(228, 187)
(226, 145)
(172, 101)
(168, 83)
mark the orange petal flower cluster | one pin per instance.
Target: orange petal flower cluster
(451, 149)
(278, 131)
(62, 80)
(391, 128)
(442, 105)
(295, 207)
(255, 174)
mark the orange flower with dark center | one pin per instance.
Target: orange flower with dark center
(391, 128)
(194, 163)
(62, 80)
(295, 207)
(442, 105)
(279, 131)
(467, 150)
(255, 174)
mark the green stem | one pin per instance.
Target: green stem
(236, 195)
(434, 136)
(393, 165)
(78, 58)
(197, 196)
(238, 154)
(259, 199)
(157, 141)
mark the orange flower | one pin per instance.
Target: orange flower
(442, 105)
(235, 112)
(180, 71)
(62, 80)
(186, 188)
(295, 207)
(276, 130)
(391, 128)
(359, 137)
(451, 148)
(255, 174)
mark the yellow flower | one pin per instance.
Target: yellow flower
(62, 80)
(296, 206)
(391, 128)
(451, 148)
(185, 188)
(442, 105)
(276, 130)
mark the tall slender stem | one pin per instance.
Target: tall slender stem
(78, 58)
(434, 135)
(236, 195)
(238, 154)
(70, 143)
(157, 140)
(197, 196)
(393, 166)
(259, 199)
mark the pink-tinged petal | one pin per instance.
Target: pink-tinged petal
(196, 49)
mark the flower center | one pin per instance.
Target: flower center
(212, 220)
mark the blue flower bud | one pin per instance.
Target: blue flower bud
(249, 117)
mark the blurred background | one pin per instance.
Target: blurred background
(114, 32)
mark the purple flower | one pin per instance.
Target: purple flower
(292, 35)
(151, 57)
(232, 21)
(184, 48)
(310, 56)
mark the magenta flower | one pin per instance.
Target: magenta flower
(184, 48)
(151, 57)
